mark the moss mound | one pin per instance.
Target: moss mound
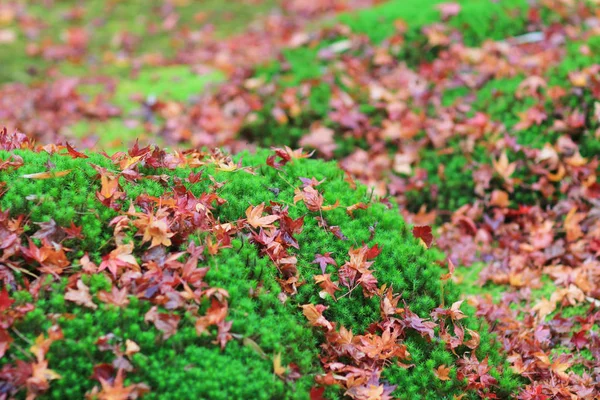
(191, 274)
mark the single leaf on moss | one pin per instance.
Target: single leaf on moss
(81, 295)
(423, 233)
(442, 372)
(255, 218)
(47, 174)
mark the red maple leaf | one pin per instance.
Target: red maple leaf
(74, 153)
(423, 233)
(5, 300)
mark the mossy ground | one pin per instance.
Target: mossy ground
(263, 325)
(104, 20)
(261, 320)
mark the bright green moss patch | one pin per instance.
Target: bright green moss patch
(176, 83)
(186, 363)
(264, 320)
(478, 20)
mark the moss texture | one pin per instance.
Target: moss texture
(185, 363)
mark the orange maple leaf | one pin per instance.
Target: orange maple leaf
(119, 257)
(314, 314)
(442, 373)
(254, 217)
(116, 390)
(155, 229)
(325, 283)
(47, 174)
(278, 368)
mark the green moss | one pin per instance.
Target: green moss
(478, 20)
(176, 83)
(192, 364)
(185, 363)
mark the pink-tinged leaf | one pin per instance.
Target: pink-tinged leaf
(324, 260)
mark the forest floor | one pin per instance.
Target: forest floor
(479, 120)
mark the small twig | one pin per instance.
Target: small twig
(19, 334)
(348, 292)
(23, 270)
(285, 180)
(22, 350)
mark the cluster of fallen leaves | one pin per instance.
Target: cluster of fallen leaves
(54, 103)
(556, 238)
(523, 249)
(160, 278)
(174, 281)
(355, 362)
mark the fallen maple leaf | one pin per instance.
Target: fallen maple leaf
(325, 283)
(473, 343)
(320, 138)
(116, 391)
(131, 347)
(543, 308)
(442, 373)
(109, 185)
(350, 209)
(254, 217)
(317, 393)
(499, 198)
(164, 322)
(154, 229)
(5, 300)
(504, 168)
(311, 197)
(119, 257)
(119, 298)
(423, 233)
(39, 380)
(323, 260)
(572, 224)
(314, 314)
(74, 153)
(81, 296)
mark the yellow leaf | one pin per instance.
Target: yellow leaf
(128, 162)
(226, 166)
(278, 369)
(503, 167)
(131, 347)
(559, 175)
(331, 207)
(47, 174)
